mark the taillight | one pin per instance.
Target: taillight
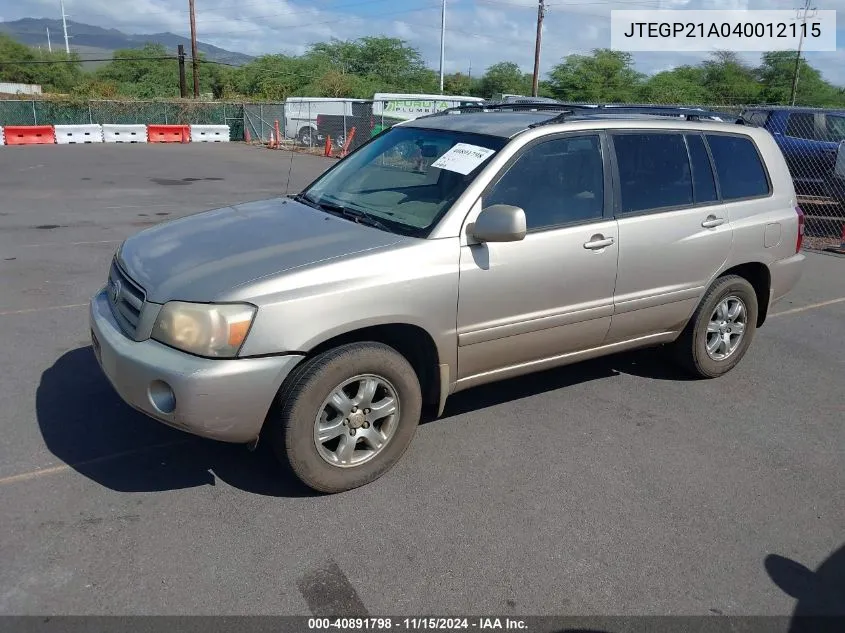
(800, 240)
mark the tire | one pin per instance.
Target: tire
(305, 395)
(691, 348)
(306, 136)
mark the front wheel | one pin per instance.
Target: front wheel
(721, 329)
(346, 416)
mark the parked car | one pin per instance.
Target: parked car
(302, 113)
(813, 142)
(448, 252)
(357, 115)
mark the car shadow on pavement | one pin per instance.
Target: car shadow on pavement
(85, 424)
(650, 363)
(820, 594)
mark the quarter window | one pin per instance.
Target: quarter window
(556, 182)
(801, 125)
(654, 171)
(738, 166)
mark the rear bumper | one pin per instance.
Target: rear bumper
(785, 275)
(226, 400)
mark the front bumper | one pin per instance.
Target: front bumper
(226, 400)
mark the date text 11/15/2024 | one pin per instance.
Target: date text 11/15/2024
(415, 624)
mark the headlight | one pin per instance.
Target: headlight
(216, 330)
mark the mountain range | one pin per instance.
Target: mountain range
(94, 42)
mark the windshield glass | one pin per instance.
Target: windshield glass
(394, 180)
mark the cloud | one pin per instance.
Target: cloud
(479, 32)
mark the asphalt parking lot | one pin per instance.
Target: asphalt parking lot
(610, 487)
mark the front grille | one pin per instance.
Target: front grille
(126, 299)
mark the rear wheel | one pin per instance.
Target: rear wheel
(346, 416)
(306, 136)
(721, 329)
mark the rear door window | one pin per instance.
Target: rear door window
(738, 166)
(654, 171)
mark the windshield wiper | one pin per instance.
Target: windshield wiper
(338, 209)
(299, 197)
(361, 218)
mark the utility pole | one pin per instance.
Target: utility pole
(541, 13)
(64, 27)
(49, 45)
(194, 58)
(183, 85)
(798, 57)
(442, 41)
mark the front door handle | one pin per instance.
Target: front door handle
(712, 221)
(598, 242)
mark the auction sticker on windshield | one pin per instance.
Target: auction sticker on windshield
(463, 158)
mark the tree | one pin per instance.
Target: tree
(397, 66)
(776, 73)
(729, 81)
(682, 85)
(603, 76)
(504, 78)
(459, 84)
(60, 76)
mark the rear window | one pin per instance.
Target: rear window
(654, 171)
(738, 166)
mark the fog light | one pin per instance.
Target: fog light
(162, 396)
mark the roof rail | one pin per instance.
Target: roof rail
(613, 113)
(493, 107)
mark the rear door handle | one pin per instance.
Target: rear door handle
(598, 242)
(712, 221)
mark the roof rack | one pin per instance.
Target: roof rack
(628, 112)
(531, 106)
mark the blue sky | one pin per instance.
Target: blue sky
(479, 32)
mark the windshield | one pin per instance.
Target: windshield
(406, 179)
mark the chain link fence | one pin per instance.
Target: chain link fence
(812, 140)
(50, 112)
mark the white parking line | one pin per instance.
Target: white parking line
(70, 243)
(28, 310)
(812, 306)
(35, 474)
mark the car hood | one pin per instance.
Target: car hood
(200, 257)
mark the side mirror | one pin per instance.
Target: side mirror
(499, 223)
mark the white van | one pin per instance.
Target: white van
(301, 115)
(390, 108)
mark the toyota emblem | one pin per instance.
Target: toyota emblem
(115, 289)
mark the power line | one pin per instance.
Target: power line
(306, 24)
(228, 7)
(27, 62)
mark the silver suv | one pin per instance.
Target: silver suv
(449, 251)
